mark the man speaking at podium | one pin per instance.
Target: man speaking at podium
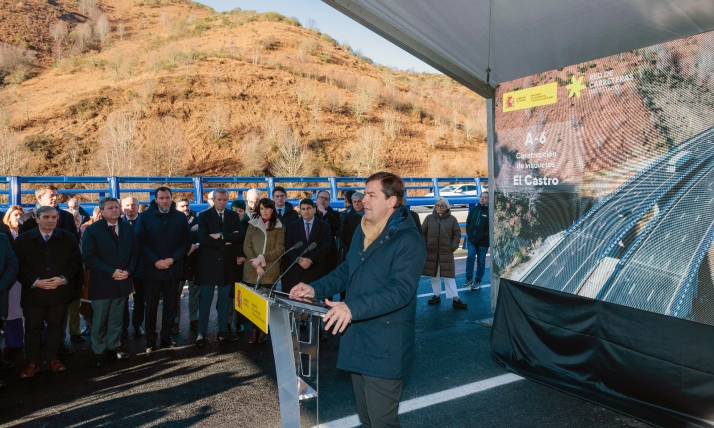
(380, 275)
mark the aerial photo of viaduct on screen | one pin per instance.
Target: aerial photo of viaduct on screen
(604, 178)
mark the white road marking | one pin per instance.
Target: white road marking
(433, 399)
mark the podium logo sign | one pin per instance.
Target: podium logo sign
(253, 306)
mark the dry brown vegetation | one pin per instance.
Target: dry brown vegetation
(101, 88)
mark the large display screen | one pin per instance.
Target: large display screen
(604, 179)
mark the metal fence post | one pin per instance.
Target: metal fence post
(197, 190)
(333, 189)
(271, 186)
(114, 191)
(14, 190)
(436, 187)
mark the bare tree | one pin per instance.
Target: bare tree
(293, 158)
(58, 31)
(153, 62)
(118, 146)
(273, 128)
(218, 119)
(165, 147)
(165, 20)
(13, 154)
(120, 29)
(366, 155)
(315, 114)
(311, 24)
(253, 153)
(83, 37)
(334, 101)
(365, 98)
(14, 57)
(392, 122)
(102, 28)
(87, 6)
(172, 52)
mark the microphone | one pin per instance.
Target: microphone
(294, 247)
(309, 248)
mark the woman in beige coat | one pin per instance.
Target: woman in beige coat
(442, 235)
(264, 243)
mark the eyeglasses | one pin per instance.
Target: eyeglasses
(440, 206)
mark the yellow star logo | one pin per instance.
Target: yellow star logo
(575, 86)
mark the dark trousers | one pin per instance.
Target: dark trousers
(137, 318)
(377, 400)
(152, 291)
(35, 319)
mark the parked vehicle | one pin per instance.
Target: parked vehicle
(455, 190)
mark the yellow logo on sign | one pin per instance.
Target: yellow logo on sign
(254, 306)
(575, 87)
(531, 97)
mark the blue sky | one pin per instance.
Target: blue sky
(332, 22)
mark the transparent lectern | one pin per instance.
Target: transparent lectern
(295, 336)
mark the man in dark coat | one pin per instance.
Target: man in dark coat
(311, 265)
(326, 213)
(477, 237)
(285, 211)
(351, 221)
(164, 240)
(51, 275)
(189, 269)
(8, 275)
(218, 233)
(130, 214)
(47, 196)
(381, 275)
(110, 252)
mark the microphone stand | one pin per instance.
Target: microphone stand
(309, 248)
(294, 247)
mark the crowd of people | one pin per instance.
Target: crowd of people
(59, 265)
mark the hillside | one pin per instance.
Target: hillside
(170, 87)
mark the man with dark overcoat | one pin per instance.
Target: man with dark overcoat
(311, 265)
(325, 212)
(8, 275)
(51, 275)
(110, 252)
(377, 318)
(130, 215)
(218, 232)
(164, 240)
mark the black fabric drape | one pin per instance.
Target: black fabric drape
(652, 367)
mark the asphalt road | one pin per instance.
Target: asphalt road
(454, 383)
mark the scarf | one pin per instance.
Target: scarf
(373, 230)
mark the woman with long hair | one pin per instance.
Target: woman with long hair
(14, 331)
(264, 243)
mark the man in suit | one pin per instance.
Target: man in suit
(164, 240)
(286, 212)
(326, 213)
(130, 214)
(218, 233)
(51, 275)
(252, 197)
(189, 268)
(311, 266)
(8, 275)
(47, 196)
(110, 252)
(351, 221)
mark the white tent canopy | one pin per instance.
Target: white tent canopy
(482, 43)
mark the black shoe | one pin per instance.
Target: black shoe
(240, 328)
(139, 331)
(97, 360)
(65, 349)
(124, 333)
(168, 342)
(469, 283)
(227, 336)
(5, 364)
(87, 330)
(200, 341)
(458, 304)
(434, 300)
(476, 284)
(117, 354)
(77, 338)
(151, 345)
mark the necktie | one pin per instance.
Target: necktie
(280, 212)
(307, 231)
(47, 238)
(221, 217)
(114, 232)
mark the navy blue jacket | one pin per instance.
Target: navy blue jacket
(217, 259)
(381, 284)
(103, 255)
(10, 266)
(40, 259)
(162, 236)
(477, 226)
(320, 234)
